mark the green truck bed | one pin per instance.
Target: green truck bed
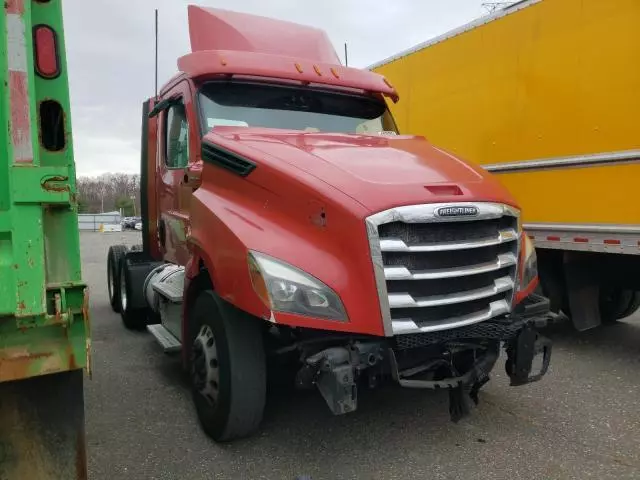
(44, 320)
(43, 304)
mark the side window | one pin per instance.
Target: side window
(177, 137)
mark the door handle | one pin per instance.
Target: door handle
(193, 175)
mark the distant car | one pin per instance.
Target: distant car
(130, 222)
(138, 226)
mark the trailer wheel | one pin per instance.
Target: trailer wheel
(116, 252)
(632, 306)
(228, 368)
(616, 304)
(133, 318)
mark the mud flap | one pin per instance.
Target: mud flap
(42, 428)
(583, 292)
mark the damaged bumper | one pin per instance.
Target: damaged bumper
(458, 360)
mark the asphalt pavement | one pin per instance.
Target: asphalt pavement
(581, 421)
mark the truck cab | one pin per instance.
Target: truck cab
(287, 222)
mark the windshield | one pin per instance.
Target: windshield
(292, 108)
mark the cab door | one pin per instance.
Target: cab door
(176, 152)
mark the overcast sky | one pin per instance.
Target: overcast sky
(110, 55)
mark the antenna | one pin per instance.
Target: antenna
(156, 33)
(346, 56)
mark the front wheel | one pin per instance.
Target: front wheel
(228, 368)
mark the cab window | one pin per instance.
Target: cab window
(177, 137)
(290, 107)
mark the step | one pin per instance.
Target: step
(165, 338)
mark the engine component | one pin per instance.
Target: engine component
(335, 371)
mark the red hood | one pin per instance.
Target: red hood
(378, 172)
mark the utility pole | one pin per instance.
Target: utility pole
(103, 192)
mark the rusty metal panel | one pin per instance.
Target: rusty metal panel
(43, 316)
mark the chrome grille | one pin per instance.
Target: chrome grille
(435, 273)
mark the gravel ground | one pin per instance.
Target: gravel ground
(582, 421)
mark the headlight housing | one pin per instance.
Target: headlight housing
(529, 263)
(285, 288)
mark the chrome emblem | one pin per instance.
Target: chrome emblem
(464, 211)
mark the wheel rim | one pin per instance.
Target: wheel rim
(205, 371)
(123, 291)
(110, 285)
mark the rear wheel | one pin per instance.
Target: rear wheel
(116, 253)
(616, 304)
(228, 368)
(133, 318)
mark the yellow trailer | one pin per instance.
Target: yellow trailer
(546, 94)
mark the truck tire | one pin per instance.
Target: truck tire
(616, 304)
(116, 253)
(228, 368)
(632, 306)
(132, 318)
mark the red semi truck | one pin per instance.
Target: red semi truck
(286, 219)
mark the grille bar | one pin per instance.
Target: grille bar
(494, 309)
(405, 300)
(398, 245)
(403, 273)
(436, 270)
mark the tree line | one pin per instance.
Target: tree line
(109, 192)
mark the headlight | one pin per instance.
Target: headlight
(285, 288)
(529, 265)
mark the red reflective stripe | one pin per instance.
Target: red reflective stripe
(46, 51)
(553, 238)
(611, 241)
(581, 240)
(14, 6)
(20, 117)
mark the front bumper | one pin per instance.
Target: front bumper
(336, 370)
